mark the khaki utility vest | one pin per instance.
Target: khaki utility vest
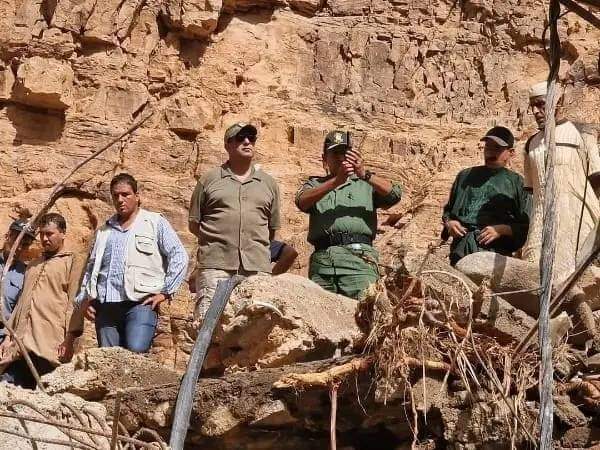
(144, 264)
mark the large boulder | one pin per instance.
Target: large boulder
(508, 274)
(273, 321)
(497, 315)
(44, 83)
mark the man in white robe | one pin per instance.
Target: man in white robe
(577, 177)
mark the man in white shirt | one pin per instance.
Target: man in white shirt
(577, 171)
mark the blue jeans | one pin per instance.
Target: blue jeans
(130, 325)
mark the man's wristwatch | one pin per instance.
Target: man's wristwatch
(368, 175)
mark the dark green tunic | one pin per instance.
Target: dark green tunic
(483, 196)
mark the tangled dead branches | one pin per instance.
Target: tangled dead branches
(410, 322)
(587, 390)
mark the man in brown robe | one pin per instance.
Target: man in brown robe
(44, 318)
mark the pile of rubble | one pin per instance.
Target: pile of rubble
(451, 348)
(36, 420)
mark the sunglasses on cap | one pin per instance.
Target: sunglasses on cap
(242, 137)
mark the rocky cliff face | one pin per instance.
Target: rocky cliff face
(418, 82)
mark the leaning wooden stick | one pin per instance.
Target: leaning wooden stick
(333, 418)
(57, 190)
(116, 417)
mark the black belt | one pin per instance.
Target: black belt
(335, 239)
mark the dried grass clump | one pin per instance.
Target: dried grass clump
(410, 321)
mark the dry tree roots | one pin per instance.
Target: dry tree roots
(588, 390)
(415, 329)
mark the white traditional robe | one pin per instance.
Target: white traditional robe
(571, 163)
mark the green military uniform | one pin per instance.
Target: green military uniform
(483, 196)
(342, 227)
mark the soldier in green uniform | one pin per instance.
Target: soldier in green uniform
(488, 208)
(343, 218)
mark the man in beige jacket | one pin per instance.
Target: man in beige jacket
(44, 318)
(577, 169)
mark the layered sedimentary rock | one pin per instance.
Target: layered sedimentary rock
(418, 83)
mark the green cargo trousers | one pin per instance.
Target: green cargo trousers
(346, 270)
(351, 285)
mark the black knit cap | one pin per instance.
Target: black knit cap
(18, 226)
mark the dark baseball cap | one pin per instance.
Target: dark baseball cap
(18, 226)
(501, 136)
(336, 140)
(239, 127)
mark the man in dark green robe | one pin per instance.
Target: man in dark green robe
(488, 209)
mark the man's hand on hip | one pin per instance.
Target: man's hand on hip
(155, 300)
(89, 312)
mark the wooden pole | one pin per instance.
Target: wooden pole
(582, 12)
(116, 418)
(546, 414)
(333, 418)
(592, 3)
